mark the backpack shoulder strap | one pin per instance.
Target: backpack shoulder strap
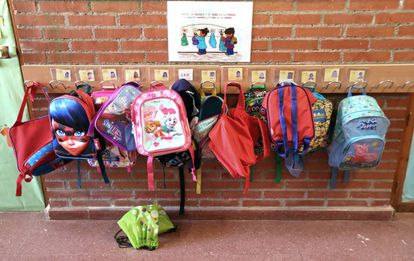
(294, 118)
(347, 175)
(199, 178)
(332, 181)
(102, 166)
(191, 150)
(29, 91)
(87, 99)
(150, 170)
(24, 175)
(282, 147)
(182, 190)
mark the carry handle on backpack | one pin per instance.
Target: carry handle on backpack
(309, 85)
(29, 90)
(54, 83)
(133, 83)
(257, 86)
(240, 103)
(358, 85)
(157, 84)
(83, 86)
(213, 88)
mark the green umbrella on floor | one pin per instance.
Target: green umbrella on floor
(142, 225)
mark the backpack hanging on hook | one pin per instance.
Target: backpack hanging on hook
(290, 121)
(210, 111)
(113, 122)
(32, 142)
(233, 137)
(162, 130)
(359, 135)
(322, 113)
(70, 118)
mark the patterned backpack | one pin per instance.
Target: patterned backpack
(113, 122)
(322, 113)
(254, 98)
(359, 136)
(161, 126)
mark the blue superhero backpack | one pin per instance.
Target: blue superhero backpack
(359, 135)
(70, 117)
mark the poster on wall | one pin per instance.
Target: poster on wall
(205, 31)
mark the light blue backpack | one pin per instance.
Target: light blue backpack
(359, 135)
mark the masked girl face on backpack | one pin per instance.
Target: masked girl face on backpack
(70, 126)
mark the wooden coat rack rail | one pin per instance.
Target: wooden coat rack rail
(379, 78)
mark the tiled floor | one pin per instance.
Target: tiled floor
(28, 236)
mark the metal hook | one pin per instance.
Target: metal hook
(359, 85)
(408, 84)
(337, 83)
(28, 83)
(385, 84)
(309, 84)
(212, 85)
(288, 82)
(53, 86)
(110, 86)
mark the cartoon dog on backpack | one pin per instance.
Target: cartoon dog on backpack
(169, 120)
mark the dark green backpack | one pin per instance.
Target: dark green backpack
(254, 97)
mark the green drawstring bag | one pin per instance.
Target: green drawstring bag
(142, 225)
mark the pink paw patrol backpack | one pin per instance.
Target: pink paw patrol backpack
(160, 126)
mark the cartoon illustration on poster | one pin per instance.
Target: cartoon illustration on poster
(201, 31)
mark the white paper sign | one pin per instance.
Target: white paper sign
(185, 74)
(206, 31)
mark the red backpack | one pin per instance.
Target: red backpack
(290, 121)
(32, 143)
(233, 138)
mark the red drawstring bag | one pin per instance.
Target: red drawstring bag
(32, 144)
(234, 136)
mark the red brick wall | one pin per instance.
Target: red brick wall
(284, 31)
(324, 31)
